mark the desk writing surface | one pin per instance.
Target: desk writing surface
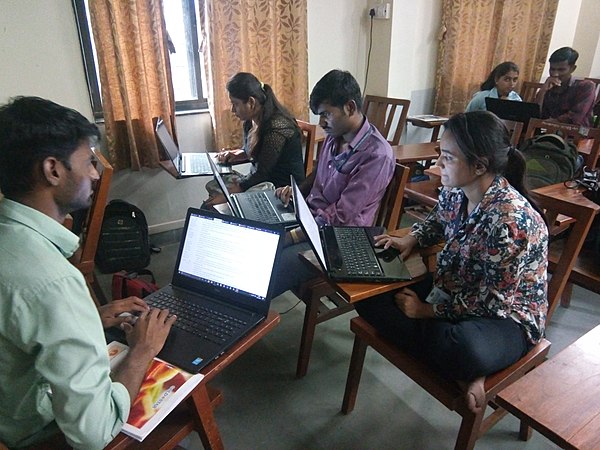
(561, 397)
(411, 153)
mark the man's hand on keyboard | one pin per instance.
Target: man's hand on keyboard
(284, 194)
(147, 337)
(122, 311)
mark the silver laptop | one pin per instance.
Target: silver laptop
(262, 206)
(221, 286)
(349, 253)
(187, 164)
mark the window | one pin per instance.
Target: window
(185, 56)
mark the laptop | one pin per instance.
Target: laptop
(187, 164)
(349, 253)
(513, 110)
(221, 286)
(263, 206)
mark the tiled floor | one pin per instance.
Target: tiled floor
(266, 407)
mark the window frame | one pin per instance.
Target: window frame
(91, 75)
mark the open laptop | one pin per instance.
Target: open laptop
(224, 265)
(513, 110)
(263, 206)
(349, 253)
(186, 164)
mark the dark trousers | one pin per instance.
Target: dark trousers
(461, 350)
(290, 272)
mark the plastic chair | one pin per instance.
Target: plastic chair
(383, 112)
(448, 391)
(312, 292)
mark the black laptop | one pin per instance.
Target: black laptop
(349, 253)
(263, 206)
(186, 164)
(513, 110)
(221, 286)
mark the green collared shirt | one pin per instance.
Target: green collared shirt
(54, 367)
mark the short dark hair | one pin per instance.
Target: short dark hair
(336, 88)
(565, 54)
(31, 130)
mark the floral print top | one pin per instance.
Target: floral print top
(494, 260)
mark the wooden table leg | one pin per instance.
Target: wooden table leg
(308, 333)
(207, 425)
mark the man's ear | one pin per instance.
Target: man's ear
(350, 107)
(573, 67)
(52, 170)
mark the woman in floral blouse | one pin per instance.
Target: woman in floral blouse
(487, 306)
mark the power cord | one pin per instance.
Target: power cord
(288, 310)
(372, 14)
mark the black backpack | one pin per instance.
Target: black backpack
(550, 160)
(123, 243)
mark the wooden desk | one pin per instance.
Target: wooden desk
(411, 153)
(435, 125)
(196, 412)
(561, 397)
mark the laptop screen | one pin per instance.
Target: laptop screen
(167, 142)
(308, 222)
(228, 255)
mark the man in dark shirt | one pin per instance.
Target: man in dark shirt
(563, 98)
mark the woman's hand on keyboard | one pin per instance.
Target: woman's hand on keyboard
(284, 194)
(404, 244)
(117, 312)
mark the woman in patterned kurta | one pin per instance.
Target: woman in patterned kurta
(488, 304)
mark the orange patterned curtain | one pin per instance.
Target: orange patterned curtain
(135, 76)
(265, 37)
(477, 35)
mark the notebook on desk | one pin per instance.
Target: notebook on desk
(263, 206)
(187, 164)
(220, 287)
(349, 253)
(513, 110)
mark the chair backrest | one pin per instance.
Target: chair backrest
(529, 90)
(588, 144)
(385, 112)
(596, 123)
(573, 204)
(93, 222)
(309, 133)
(515, 129)
(390, 208)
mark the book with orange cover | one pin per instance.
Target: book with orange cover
(163, 388)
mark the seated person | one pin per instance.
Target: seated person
(353, 171)
(272, 140)
(500, 83)
(54, 368)
(487, 306)
(562, 97)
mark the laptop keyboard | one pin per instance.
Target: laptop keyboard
(199, 164)
(356, 252)
(200, 320)
(259, 208)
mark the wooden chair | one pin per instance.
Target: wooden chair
(83, 259)
(382, 112)
(447, 391)
(515, 129)
(529, 90)
(309, 133)
(596, 123)
(588, 144)
(314, 291)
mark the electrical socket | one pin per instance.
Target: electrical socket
(380, 11)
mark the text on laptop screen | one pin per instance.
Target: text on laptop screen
(309, 224)
(229, 255)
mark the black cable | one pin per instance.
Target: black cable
(372, 14)
(287, 311)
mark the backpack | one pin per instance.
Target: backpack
(550, 160)
(139, 284)
(123, 243)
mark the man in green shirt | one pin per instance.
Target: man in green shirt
(54, 368)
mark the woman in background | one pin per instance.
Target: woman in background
(499, 84)
(272, 140)
(487, 304)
